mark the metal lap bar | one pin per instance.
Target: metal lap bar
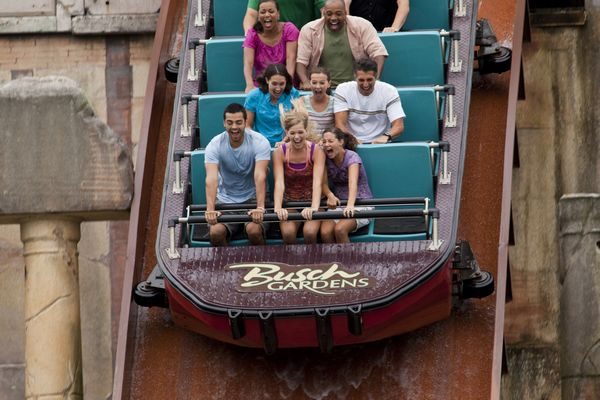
(186, 127)
(299, 204)
(200, 19)
(172, 250)
(436, 243)
(444, 147)
(355, 322)
(319, 215)
(460, 9)
(450, 118)
(193, 71)
(178, 155)
(236, 322)
(268, 331)
(324, 330)
(454, 35)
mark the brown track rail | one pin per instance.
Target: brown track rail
(459, 358)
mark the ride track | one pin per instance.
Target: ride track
(460, 357)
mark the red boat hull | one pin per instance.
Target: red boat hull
(429, 302)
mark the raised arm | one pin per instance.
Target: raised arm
(249, 19)
(353, 171)
(249, 68)
(318, 170)
(278, 174)
(341, 120)
(260, 181)
(249, 118)
(400, 18)
(212, 181)
(291, 49)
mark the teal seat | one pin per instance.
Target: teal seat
(198, 233)
(412, 176)
(225, 65)
(210, 113)
(228, 16)
(429, 14)
(422, 122)
(415, 58)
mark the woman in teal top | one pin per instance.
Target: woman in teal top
(262, 104)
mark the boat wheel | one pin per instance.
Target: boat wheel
(172, 69)
(497, 62)
(478, 287)
(147, 296)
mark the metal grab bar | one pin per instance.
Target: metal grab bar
(317, 215)
(434, 213)
(304, 204)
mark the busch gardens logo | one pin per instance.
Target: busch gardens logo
(321, 278)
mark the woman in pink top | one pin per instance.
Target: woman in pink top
(298, 166)
(269, 42)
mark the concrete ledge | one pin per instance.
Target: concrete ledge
(80, 25)
(10, 25)
(89, 25)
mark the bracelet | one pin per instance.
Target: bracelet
(388, 136)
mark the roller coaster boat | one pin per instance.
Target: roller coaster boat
(399, 273)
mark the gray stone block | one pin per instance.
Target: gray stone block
(579, 218)
(55, 148)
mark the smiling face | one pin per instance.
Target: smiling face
(234, 125)
(319, 83)
(276, 85)
(333, 147)
(268, 15)
(297, 135)
(366, 82)
(334, 13)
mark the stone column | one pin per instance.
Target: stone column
(59, 165)
(579, 217)
(52, 322)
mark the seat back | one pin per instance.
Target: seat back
(398, 169)
(210, 113)
(228, 16)
(225, 65)
(422, 122)
(415, 58)
(198, 177)
(429, 14)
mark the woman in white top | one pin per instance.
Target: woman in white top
(319, 104)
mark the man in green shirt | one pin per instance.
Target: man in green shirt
(298, 12)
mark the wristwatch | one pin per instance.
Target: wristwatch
(388, 136)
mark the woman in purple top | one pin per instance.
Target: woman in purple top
(269, 42)
(349, 180)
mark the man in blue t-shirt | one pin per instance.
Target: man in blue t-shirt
(236, 163)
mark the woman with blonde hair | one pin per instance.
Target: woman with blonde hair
(298, 166)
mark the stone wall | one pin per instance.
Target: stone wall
(558, 139)
(82, 59)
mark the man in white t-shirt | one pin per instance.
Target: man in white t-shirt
(236, 163)
(367, 108)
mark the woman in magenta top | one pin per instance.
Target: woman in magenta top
(298, 167)
(269, 42)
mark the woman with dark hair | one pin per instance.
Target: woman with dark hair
(262, 104)
(269, 42)
(349, 181)
(319, 104)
